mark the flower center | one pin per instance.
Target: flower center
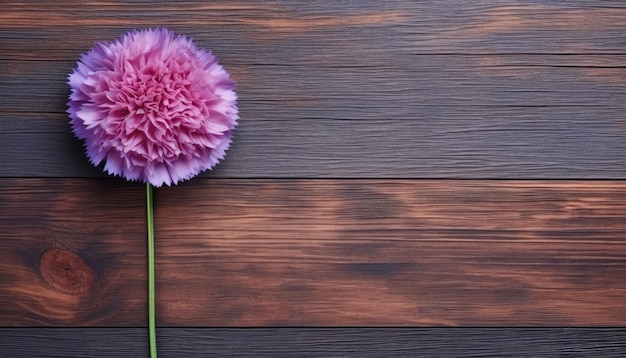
(153, 106)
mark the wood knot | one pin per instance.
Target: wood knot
(66, 271)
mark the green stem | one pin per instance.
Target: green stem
(151, 291)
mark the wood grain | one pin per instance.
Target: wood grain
(322, 252)
(355, 93)
(473, 26)
(399, 89)
(100, 223)
(314, 342)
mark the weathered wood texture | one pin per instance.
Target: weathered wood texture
(337, 342)
(320, 252)
(338, 90)
(103, 224)
(410, 89)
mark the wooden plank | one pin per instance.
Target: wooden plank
(334, 87)
(100, 222)
(439, 90)
(317, 253)
(402, 89)
(528, 117)
(314, 342)
(33, 29)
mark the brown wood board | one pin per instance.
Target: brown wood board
(320, 252)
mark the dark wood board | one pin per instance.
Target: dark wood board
(399, 89)
(318, 253)
(315, 342)
(448, 26)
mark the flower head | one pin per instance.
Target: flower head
(153, 106)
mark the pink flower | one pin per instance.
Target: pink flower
(153, 106)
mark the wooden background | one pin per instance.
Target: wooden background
(401, 168)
